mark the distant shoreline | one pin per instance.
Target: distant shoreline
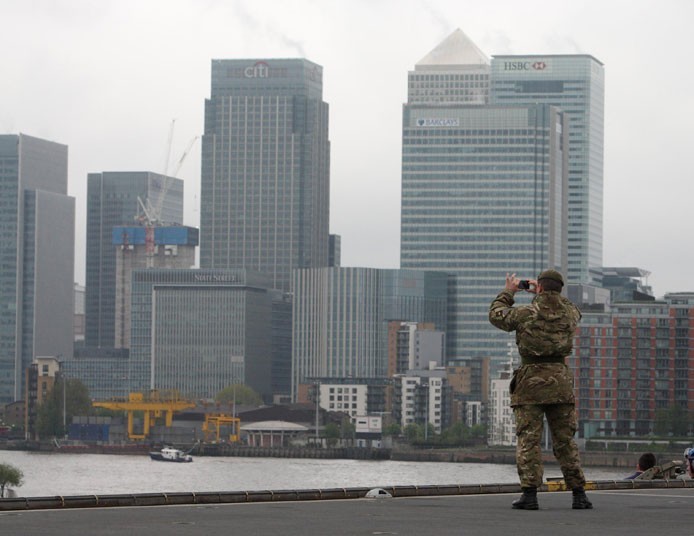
(454, 455)
(588, 458)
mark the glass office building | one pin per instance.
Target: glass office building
(341, 318)
(265, 168)
(483, 190)
(103, 371)
(113, 199)
(576, 85)
(37, 247)
(199, 331)
(483, 194)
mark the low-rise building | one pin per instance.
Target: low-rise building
(632, 363)
(341, 318)
(501, 426)
(421, 397)
(41, 377)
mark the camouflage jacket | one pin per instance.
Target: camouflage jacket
(544, 330)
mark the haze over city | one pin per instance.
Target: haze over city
(108, 78)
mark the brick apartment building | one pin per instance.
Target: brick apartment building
(632, 363)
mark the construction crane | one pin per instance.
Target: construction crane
(168, 181)
(153, 405)
(150, 214)
(169, 143)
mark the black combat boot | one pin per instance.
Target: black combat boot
(580, 501)
(527, 501)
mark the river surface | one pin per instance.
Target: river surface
(47, 474)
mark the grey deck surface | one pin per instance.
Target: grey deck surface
(630, 512)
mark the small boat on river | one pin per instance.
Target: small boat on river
(169, 454)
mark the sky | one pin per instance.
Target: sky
(115, 80)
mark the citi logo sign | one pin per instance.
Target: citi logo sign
(524, 66)
(259, 69)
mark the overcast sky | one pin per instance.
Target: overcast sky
(107, 78)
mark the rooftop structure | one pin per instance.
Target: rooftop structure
(457, 51)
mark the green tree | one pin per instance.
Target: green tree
(67, 399)
(673, 421)
(393, 429)
(9, 476)
(455, 434)
(459, 434)
(430, 432)
(332, 434)
(413, 432)
(662, 425)
(478, 431)
(348, 430)
(239, 393)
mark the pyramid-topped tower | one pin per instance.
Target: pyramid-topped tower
(456, 50)
(484, 185)
(455, 72)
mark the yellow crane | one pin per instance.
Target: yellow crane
(214, 422)
(153, 405)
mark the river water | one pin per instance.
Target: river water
(47, 474)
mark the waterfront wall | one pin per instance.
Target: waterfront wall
(255, 496)
(350, 453)
(588, 458)
(625, 460)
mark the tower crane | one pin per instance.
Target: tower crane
(168, 180)
(150, 214)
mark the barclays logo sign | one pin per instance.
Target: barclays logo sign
(438, 122)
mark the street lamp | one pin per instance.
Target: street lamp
(63, 379)
(317, 399)
(64, 406)
(426, 412)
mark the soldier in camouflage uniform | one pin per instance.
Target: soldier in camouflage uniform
(543, 385)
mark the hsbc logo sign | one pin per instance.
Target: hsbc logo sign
(525, 65)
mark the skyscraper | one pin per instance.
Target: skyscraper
(341, 318)
(199, 331)
(265, 168)
(114, 199)
(37, 245)
(483, 190)
(576, 85)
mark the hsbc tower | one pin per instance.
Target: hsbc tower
(502, 170)
(483, 190)
(576, 85)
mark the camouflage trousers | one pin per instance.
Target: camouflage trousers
(562, 425)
